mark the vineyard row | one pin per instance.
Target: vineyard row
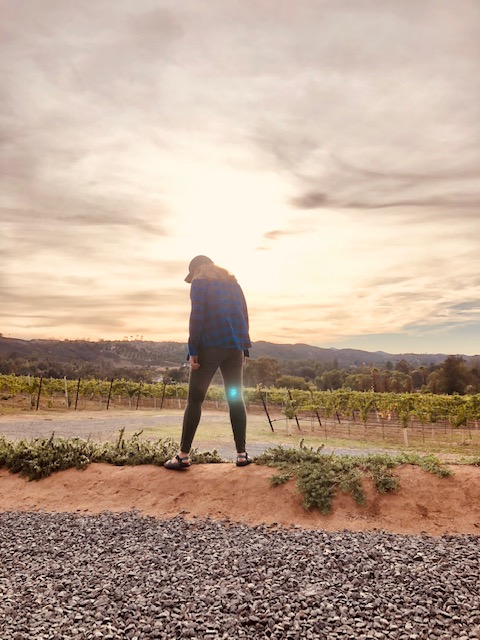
(403, 407)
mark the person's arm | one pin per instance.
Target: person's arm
(245, 310)
(246, 352)
(197, 316)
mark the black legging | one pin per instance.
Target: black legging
(230, 362)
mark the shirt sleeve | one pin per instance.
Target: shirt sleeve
(246, 352)
(245, 310)
(197, 316)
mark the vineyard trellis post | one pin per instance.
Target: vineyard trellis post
(76, 395)
(67, 401)
(138, 394)
(315, 409)
(405, 433)
(109, 393)
(179, 402)
(163, 395)
(39, 392)
(266, 411)
(293, 408)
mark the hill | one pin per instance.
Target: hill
(118, 354)
(344, 357)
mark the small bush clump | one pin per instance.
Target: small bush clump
(38, 458)
(280, 478)
(320, 476)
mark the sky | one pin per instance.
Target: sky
(326, 152)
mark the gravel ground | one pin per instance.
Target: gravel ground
(72, 576)
(97, 425)
(116, 576)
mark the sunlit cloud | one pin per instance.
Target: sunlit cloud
(325, 153)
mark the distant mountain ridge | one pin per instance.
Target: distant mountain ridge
(145, 353)
(344, 357)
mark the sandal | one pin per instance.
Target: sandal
(177, 463)
(243, 460)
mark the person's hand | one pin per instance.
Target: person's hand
(194, 364)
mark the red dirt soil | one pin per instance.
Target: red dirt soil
(424, 504)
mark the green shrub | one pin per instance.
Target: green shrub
(39, 458)
(134, 451)
(205, 457)
(280, 478)
(320, 476)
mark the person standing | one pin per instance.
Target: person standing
(218, 338)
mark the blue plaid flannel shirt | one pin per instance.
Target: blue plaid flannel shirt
(219, 316)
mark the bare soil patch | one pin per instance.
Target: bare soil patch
(424, 504)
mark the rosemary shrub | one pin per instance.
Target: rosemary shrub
(319, 476)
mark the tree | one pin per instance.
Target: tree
(261, 371)
(358, 382)
(291, 382)
(400, 382)
(454, 375)
(402, 366)
(434, 382)
(332, 379)
(179, 374)
(308, 373)
(419, 379)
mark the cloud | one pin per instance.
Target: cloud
(278, 233)
(407, 178)
(35, 237)
(97, 313)
(383, 117)
(312, 200)
(315, 200)
(297, 227)
(69, 183)
(451, 193)
(387, 281)
(355, 129)
(468, 305)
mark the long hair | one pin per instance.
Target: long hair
(213, 272)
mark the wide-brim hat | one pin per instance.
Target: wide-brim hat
(194, 264)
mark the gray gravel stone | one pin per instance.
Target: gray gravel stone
(130, 576)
